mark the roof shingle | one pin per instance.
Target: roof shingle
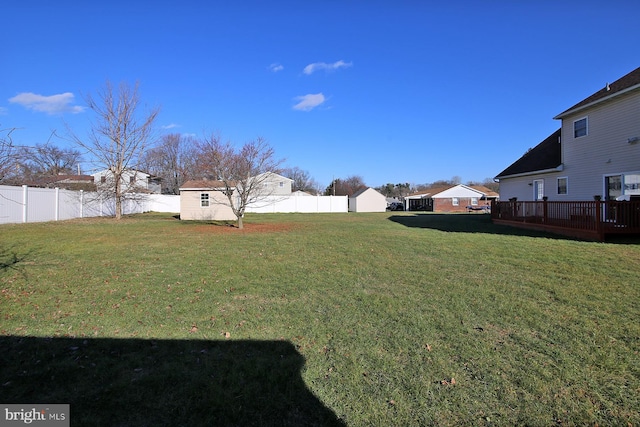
(626, 82)
(544, 156)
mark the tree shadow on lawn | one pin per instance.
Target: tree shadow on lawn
(135, 382)
(10, 259)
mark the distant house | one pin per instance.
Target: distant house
(66, 182)
(596, 151)
(133, 181)
(274, 184)
(367, 200)
(205, 200)
(452, 198)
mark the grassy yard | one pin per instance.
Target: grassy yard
(321, 319)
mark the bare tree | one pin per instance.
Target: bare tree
(173, 160)
(7, 153)
(345, 187)
(302, 181)
(242, 173)
(118, 135)
(48, 160)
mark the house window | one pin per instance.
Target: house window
(281, 184)
(204, 200)
(454, 201)
(580, 128)
(632, 184)
(474, 201)
(103, 179)
(132, 180)
(563, 185)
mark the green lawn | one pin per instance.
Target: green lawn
(319, 319)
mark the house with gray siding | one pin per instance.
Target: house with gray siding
(596, 151)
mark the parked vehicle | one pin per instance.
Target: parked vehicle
(395, 206)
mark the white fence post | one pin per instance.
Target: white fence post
(25, 196)
(56, 214)
(81, 203)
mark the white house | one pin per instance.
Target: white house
(133, 181)
(367, 200)
(596, 151)
(274, 184)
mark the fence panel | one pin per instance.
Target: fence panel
(300, 204)
(11, 204)
(30, 204)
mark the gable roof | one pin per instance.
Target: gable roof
(545, 156)
(364, 190)
(273, 175)
(450, 190)
(487, 191)
(621, 86)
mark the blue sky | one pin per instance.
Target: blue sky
(392, 91)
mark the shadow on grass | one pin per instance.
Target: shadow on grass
(10, 259)
(467, 223)
(481, 223)
(135, 382)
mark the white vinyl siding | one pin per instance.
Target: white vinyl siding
(604, 150)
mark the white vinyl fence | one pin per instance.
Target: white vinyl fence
(301, 204)
(30, 204)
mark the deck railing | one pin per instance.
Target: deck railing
(589, 219)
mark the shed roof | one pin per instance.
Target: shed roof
(203, 184)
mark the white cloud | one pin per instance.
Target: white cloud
(275, 67)
(309, 69)
(3, 111)
(309, 102)
(53, 104)
(170, 126)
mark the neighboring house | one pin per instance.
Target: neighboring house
(452, 198)
(367, 200)
(596, 151)
(205, 200)
(66, 182)
(274, 184)
(133, 181)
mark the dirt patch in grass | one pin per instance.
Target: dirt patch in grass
(248, 228)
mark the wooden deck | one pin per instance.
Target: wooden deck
(593, 220)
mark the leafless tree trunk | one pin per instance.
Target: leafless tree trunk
(242, 173)
(119, 134)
